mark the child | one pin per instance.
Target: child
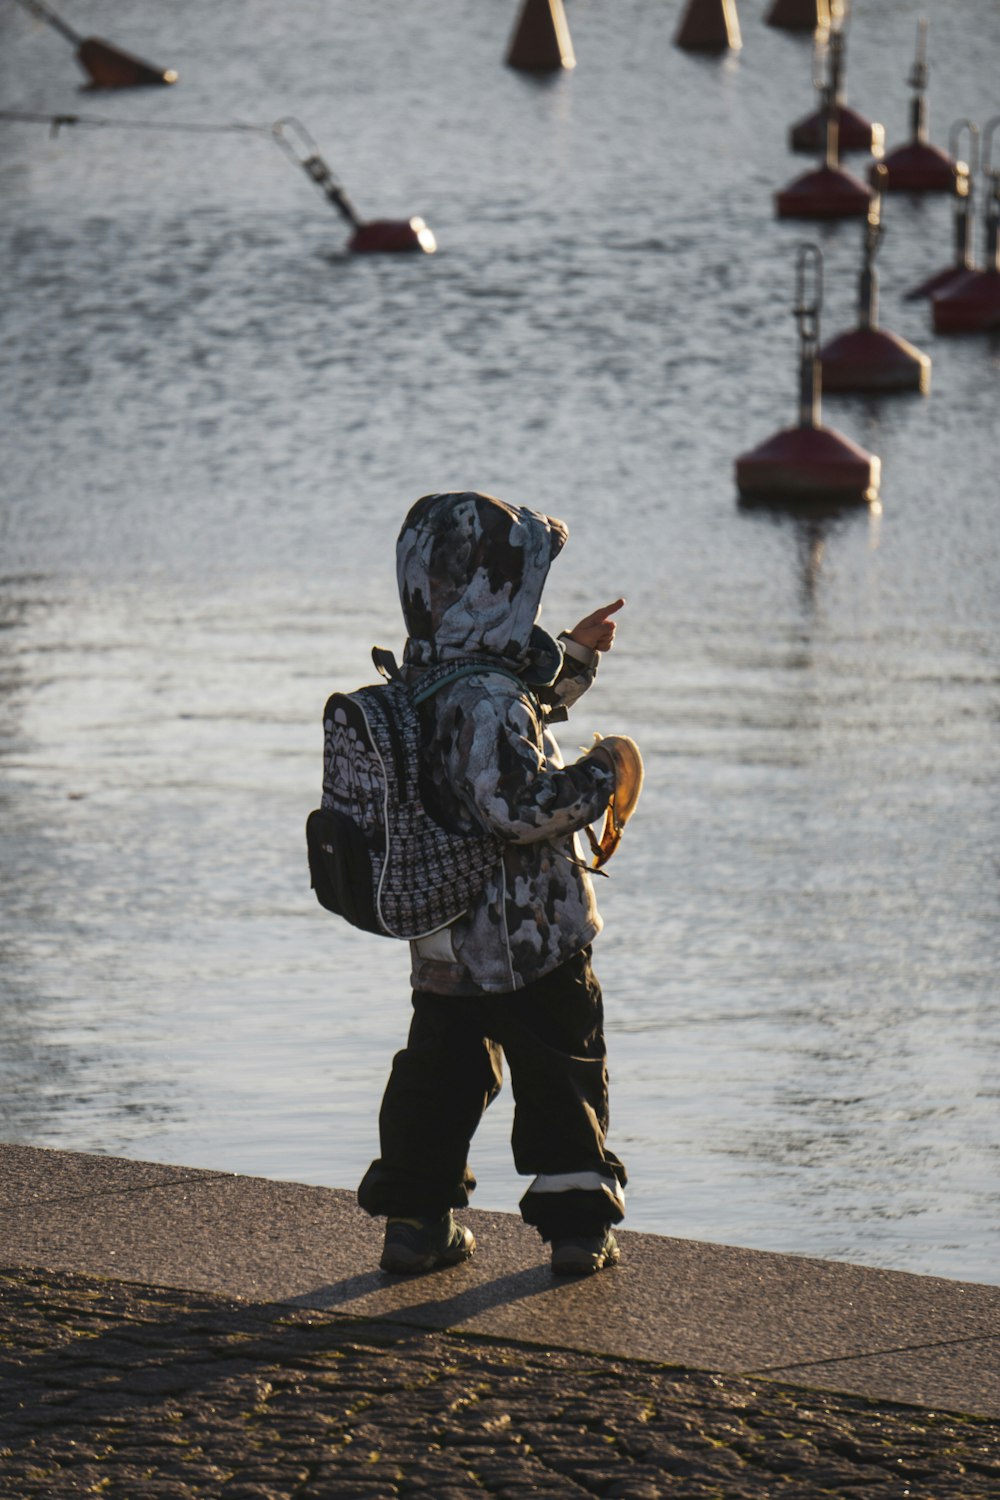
(512, 976)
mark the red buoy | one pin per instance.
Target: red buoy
(111, 68)
(964, 213)
(868, 358)
(541, 42)
(799, 15)
(803, 466)
(808, 466)
(379, 235)
(106, 66)
(917, 166)
(830, 192)
(372, 237)
(709, 26)
(971, 303)
(872, 359)
(854, 132)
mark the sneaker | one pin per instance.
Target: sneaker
(583, 1254)
(422, 1244)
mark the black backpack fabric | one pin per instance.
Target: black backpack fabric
(376, 856)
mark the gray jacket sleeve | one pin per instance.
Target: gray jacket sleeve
(517, 788)
(576, 675)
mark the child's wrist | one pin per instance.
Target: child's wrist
(578, 652)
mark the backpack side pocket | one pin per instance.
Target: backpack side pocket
(340, 868)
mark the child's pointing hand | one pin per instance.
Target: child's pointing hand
(597, 631)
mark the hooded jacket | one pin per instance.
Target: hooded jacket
(471, 570)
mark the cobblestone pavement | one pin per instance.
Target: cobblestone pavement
(130, 1392)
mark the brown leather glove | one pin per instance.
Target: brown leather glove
(625, 760)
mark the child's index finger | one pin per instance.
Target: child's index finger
(611, 609)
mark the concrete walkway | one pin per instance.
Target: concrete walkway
(820, 1324)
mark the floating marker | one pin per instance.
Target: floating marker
(541, 42)
(799, 15)
(378, 235)
(829, 192)
(808, 466)
(111, 68)
(964, 214)
(375, 235)
(854, 132)
(709, 26)
(869, 358)
(971, 303)
(107, 67)
(919, 167)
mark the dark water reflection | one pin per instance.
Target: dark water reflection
(214, 421)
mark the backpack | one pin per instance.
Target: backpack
(376, 856)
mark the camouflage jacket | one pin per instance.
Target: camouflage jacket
(471, 571)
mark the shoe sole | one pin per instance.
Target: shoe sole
(582, 1264)
(400, 1262)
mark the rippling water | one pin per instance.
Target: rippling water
(215, 420)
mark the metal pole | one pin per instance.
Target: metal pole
(837, 43)
(918, 82)
(808, 268)
(831, 128)
(296, 142)
(868, 282)
(991, 258)
(964, 189)
(50, 17)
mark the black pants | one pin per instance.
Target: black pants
(552, 1034)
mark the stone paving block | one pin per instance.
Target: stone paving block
(611, 1427)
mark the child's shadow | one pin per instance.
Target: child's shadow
(378, 1295)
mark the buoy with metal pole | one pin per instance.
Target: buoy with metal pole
(369, 236)
(107, 67)
(854, 132)
(919, 167)
(829, 191)
(709, 26)
(869, 358)
(965, 172)
(799, 15)
(808, 466)
(541, 42)
(971, 303)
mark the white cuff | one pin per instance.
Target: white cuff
(582, 654)
(587, 1182)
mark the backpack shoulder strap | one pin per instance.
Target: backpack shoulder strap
(446, 675)
(385, 663)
